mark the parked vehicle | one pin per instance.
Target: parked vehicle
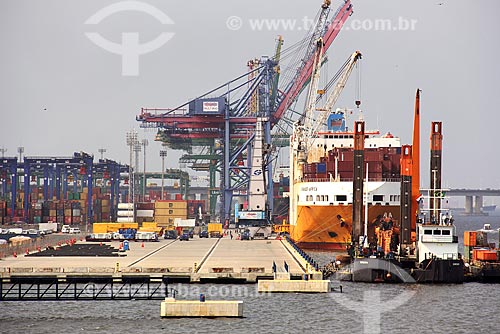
(184, 236)
(74, 230)
(246, 235)
(65, 229)
(170, 234)
(146, 236)
(204, 234)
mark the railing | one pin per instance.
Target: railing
(306, 256)
(46, 288)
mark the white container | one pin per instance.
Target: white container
(125, 220)
(125, 213)
(145, 213)
(125, 206)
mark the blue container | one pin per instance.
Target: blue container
(125, 245)
(321, 167)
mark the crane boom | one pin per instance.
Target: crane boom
(333, 97)
(312, 94)
(304, 72)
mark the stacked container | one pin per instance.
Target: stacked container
(166, 212)
(125, 213)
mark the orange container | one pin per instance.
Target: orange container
(470, 238)
(486, 255)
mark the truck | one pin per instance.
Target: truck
(47, 226)
(215, 230)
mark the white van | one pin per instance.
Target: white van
(65, 229)
(75, 230)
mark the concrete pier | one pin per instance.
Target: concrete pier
(196, 260)
(192, 308)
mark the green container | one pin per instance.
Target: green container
(76, 196)
(468, 252)
(37, 219)
(70, 196)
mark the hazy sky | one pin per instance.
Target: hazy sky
(61, 93)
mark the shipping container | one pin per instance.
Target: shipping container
(486, 255)
(145, 213)
(470, 238)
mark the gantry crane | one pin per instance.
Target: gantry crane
(229, 125)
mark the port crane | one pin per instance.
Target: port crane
(306, 129)
(224, 127)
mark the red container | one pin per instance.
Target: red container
(486, 255)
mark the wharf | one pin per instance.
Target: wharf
(194, 261)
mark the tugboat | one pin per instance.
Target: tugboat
(437, 251)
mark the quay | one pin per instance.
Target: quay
(195, 261)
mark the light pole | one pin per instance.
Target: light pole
(137, 150)
(102, 151)
(3, 150)
(163, 154)
(144, 143)
(20, 150)
(131, 139)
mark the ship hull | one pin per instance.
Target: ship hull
(318, 226)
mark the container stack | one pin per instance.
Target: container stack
(477, 248)
(36, 212)
(63, 212)
(3, 212)
(125, 213)
(194, 207)
(469, 244)
(166, 211)
(145, 213)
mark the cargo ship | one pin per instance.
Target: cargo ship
(321, 188)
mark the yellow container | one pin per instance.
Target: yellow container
(171, 212)
(149, 225)
(162, 219)
(179, 205)
(214, 227)
(161, 205)
(150, 229)
(100, 228)
(171, 205)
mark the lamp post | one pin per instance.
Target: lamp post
(102, 151)
(137, 150)
(20, 150)
(3, 150)
(163, 154)
(131, 139)
(144, 143)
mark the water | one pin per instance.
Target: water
(362, 308)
